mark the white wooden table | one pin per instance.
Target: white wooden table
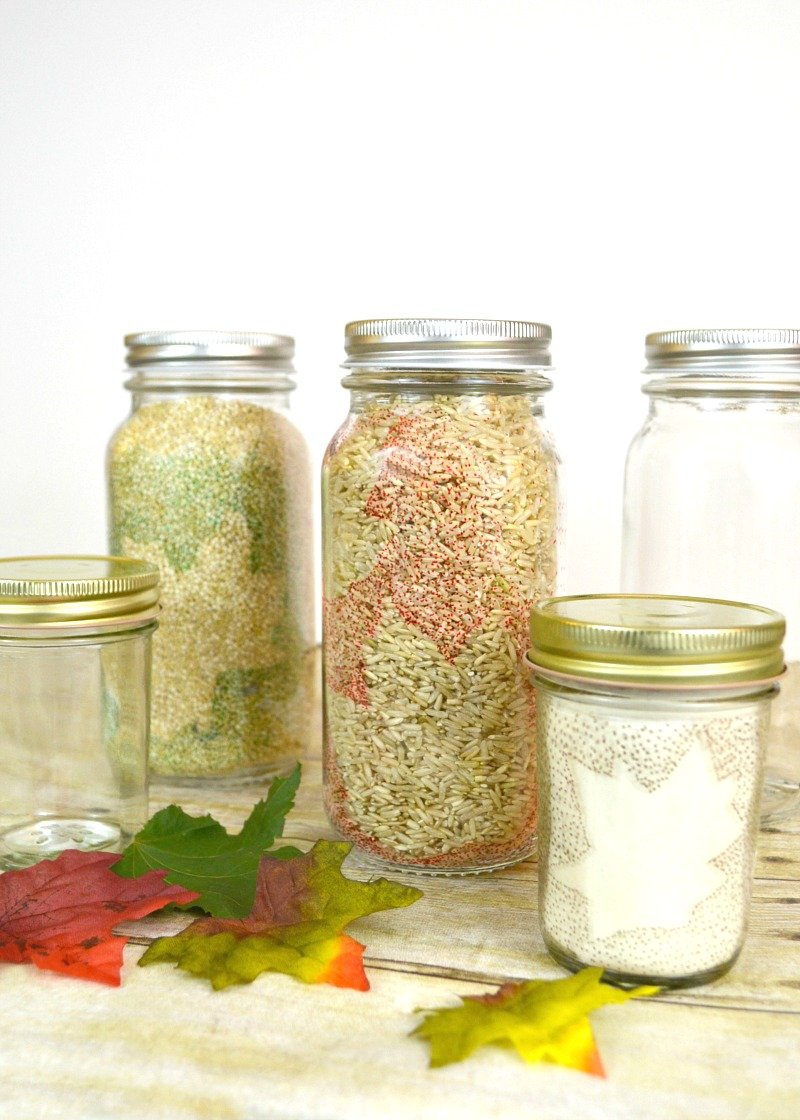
(166, 1045)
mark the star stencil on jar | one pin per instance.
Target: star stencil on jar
(649, 860)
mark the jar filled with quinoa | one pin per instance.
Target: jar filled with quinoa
(210, 481)
(439, 532)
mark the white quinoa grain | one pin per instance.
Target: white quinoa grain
(215, 492)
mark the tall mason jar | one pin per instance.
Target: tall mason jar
(439, 527)
(712, 489)
(210, 480)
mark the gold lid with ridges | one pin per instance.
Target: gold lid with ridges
(656, 639)
(40, 595)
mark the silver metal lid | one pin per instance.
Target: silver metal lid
(472, 344)
(732, 352)
(261, 347)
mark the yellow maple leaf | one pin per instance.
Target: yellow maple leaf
(543, 1020)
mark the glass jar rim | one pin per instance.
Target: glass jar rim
(224, 375)
(445, 381)
(553, 679)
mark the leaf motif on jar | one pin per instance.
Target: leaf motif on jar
(441, 495)
(650, 852)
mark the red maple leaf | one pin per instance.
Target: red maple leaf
(59, 914)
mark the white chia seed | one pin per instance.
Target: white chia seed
(647, 818)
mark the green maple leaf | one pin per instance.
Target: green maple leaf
(201, 856)
(543, 1020)
(301, 907)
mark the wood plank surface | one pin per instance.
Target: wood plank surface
(165, 1045)
(482, 927)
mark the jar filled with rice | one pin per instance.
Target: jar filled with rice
(439, 527)
(210, 481)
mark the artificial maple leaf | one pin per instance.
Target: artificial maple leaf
(543, 1020)
(199, 854)
(681, 826)
(301, 907)
(59, 914)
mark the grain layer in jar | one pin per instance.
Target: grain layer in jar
(439, 532)
(210, 480)
(652, 724)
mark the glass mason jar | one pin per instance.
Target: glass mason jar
(439, 527)
(652, 720)
(74, 703)
(712, 486)
(210, 481)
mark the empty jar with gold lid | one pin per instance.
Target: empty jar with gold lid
(652, 718)
(74, 703)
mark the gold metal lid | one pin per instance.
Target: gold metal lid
(66, 595)
(656, 639)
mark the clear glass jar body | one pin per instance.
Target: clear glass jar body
(213, 485)
(73, 743)
(648, 815)
(439, 529)
(712, 483)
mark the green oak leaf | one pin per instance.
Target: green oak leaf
(201, 856)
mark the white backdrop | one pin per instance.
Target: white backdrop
(607, 167)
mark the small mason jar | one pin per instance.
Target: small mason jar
(439, 526)
(210, 481)
(74, 703)
(652, 721)
(712, 489)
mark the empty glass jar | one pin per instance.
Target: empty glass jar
(210, 481)
(652, 720)
(712, 489)
(439, 523)
(74, 703)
